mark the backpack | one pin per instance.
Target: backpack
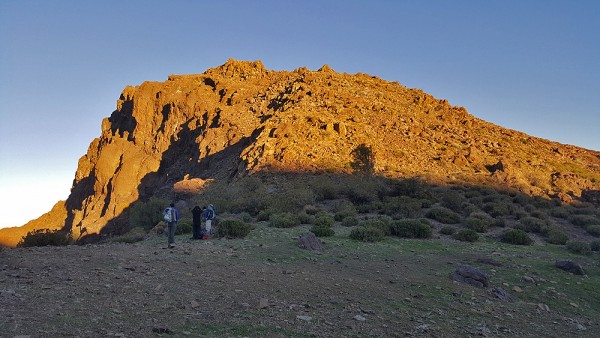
(211, 212)
(168, 215)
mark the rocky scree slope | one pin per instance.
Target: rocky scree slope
(240, 118)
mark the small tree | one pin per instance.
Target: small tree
(364, 160)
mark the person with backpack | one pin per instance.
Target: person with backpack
(171, 216)
(196, 222)
(208, 214)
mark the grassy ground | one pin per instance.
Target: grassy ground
(265, 286)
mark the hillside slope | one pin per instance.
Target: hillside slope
(241, 118)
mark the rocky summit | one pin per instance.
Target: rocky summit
(241, 118)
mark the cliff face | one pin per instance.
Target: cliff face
(240, 118)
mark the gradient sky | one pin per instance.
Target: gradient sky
(528, 65)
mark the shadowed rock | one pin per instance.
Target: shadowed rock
(472, 276)
(310, 242)
(570, 266)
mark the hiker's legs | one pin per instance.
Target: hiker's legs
(208, 226)
(196, 231)
(172, 226)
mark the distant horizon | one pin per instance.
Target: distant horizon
(528, 66)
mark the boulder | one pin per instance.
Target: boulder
(309, 241)
(570, 266)
(472, 276)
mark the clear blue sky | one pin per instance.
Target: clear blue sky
(527, 65)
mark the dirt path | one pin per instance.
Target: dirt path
(263, 286)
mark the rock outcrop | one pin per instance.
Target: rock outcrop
(240, 118)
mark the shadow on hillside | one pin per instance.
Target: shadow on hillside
(182, 159)
(294, 190)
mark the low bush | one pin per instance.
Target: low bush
(593, 229)
(498, 208)
(340, 215)
(232, 228)
(284, 220)
(516, 236)
(147, 214)
(350, 221)
(443, 215)
(411, 228)
(584, 220)
(556, 236)
(264, 215)
(183, 227)
(136, 234)
(595, 246)
(580, 248)
(477, 224)
(447, 230)
(402, 206)
(532, 224)
(539, 214)
(305, 218)
(466, 235)
(322, 231)
(380, 222)
(45, 237)
(324, 220)
(311, 209)
(367, 234)
(560, 212)
(453, 200)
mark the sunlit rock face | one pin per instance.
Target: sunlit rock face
(241, 118)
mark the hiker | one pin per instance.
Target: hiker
(171, 216)
(196, 222)
(208, 214)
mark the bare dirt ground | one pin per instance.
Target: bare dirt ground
(265, 286)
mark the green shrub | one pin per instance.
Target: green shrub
(443, 215)
(539, 214)
(305, 218)
(593, 229)
(532, 224)
(45, 237)
(497, 209)
(580, 248)
(516, 236)
(560, 212)
(380, 222)
(350, 221)
(246, 217)
(367, 234)
(324, 220)
(479, 221)
(411, 228)
(447, 230)
(311, 209)
(324, 188)
(556, 236)
(283, 220)
(183, 227)
(410, 187)
(136, 234)
(232, 228)
(264, 215)
(322, 231)
(147, 214)
(453, 200)
(584, 220)
(402, 206)
(595, 246)
(466, 235)
(292, 200)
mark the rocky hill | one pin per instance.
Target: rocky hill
(240, 118)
